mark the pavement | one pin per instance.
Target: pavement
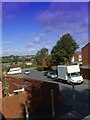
(86, 81)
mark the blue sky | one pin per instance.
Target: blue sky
(29, 26)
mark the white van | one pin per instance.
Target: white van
(70, 73)
(15, 70)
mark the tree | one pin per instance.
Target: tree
(64, 49)
(40, 54)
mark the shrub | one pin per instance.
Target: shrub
(40, 68)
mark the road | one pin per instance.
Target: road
(77, 99)
(80, 103)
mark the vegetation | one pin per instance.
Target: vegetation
(39, 56)
(64, 49)
(16, 61)
(61, 53)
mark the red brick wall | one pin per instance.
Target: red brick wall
(75, 57)
(85, 73)
(13, 106)
(44, 61)
(86, 55)
(38, 94)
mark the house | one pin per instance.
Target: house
(44, 61)
(85, 68)
(77, 58)
(86, 55)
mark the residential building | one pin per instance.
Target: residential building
(77, 58)
(86, 55)
(85, 68)
(44, 61)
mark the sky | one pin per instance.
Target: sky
(29, 26)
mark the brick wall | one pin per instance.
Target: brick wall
(86, 55)
(76, 57)
(38, 94)
(13, 106)
(86, 61)
(44, 61)
(85, 73)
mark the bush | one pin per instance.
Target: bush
(40, 68)
(47, 68)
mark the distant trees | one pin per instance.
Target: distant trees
(64, 49)
(10, 58)
(39, 55)
(61, 53)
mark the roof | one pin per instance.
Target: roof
(86, 45)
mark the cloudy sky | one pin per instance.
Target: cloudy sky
(29, 26)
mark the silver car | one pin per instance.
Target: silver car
(51, 75)
(27, 72)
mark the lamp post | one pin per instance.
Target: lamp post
(26, 109)
(73, 89)
(52, 100)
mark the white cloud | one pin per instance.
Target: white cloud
(62, 18)
(40, 38)
(7, 52)
(6, 43)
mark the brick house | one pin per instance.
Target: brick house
(85, 69)
(44, 61)
(86, 55)
(77, 58)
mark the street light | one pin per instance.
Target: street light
(73, 88)
(52, 98)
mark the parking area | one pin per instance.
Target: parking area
(34, 74)
(81, 101)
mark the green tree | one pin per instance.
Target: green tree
(64, 49)
(40, 54)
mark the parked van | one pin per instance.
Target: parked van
(70, 73)
(15, 70)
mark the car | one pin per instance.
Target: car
(52, 75)
(27, 72)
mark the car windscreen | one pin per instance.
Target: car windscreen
(53, 73)
(76, 74)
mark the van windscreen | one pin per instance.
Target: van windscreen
(76, 74)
